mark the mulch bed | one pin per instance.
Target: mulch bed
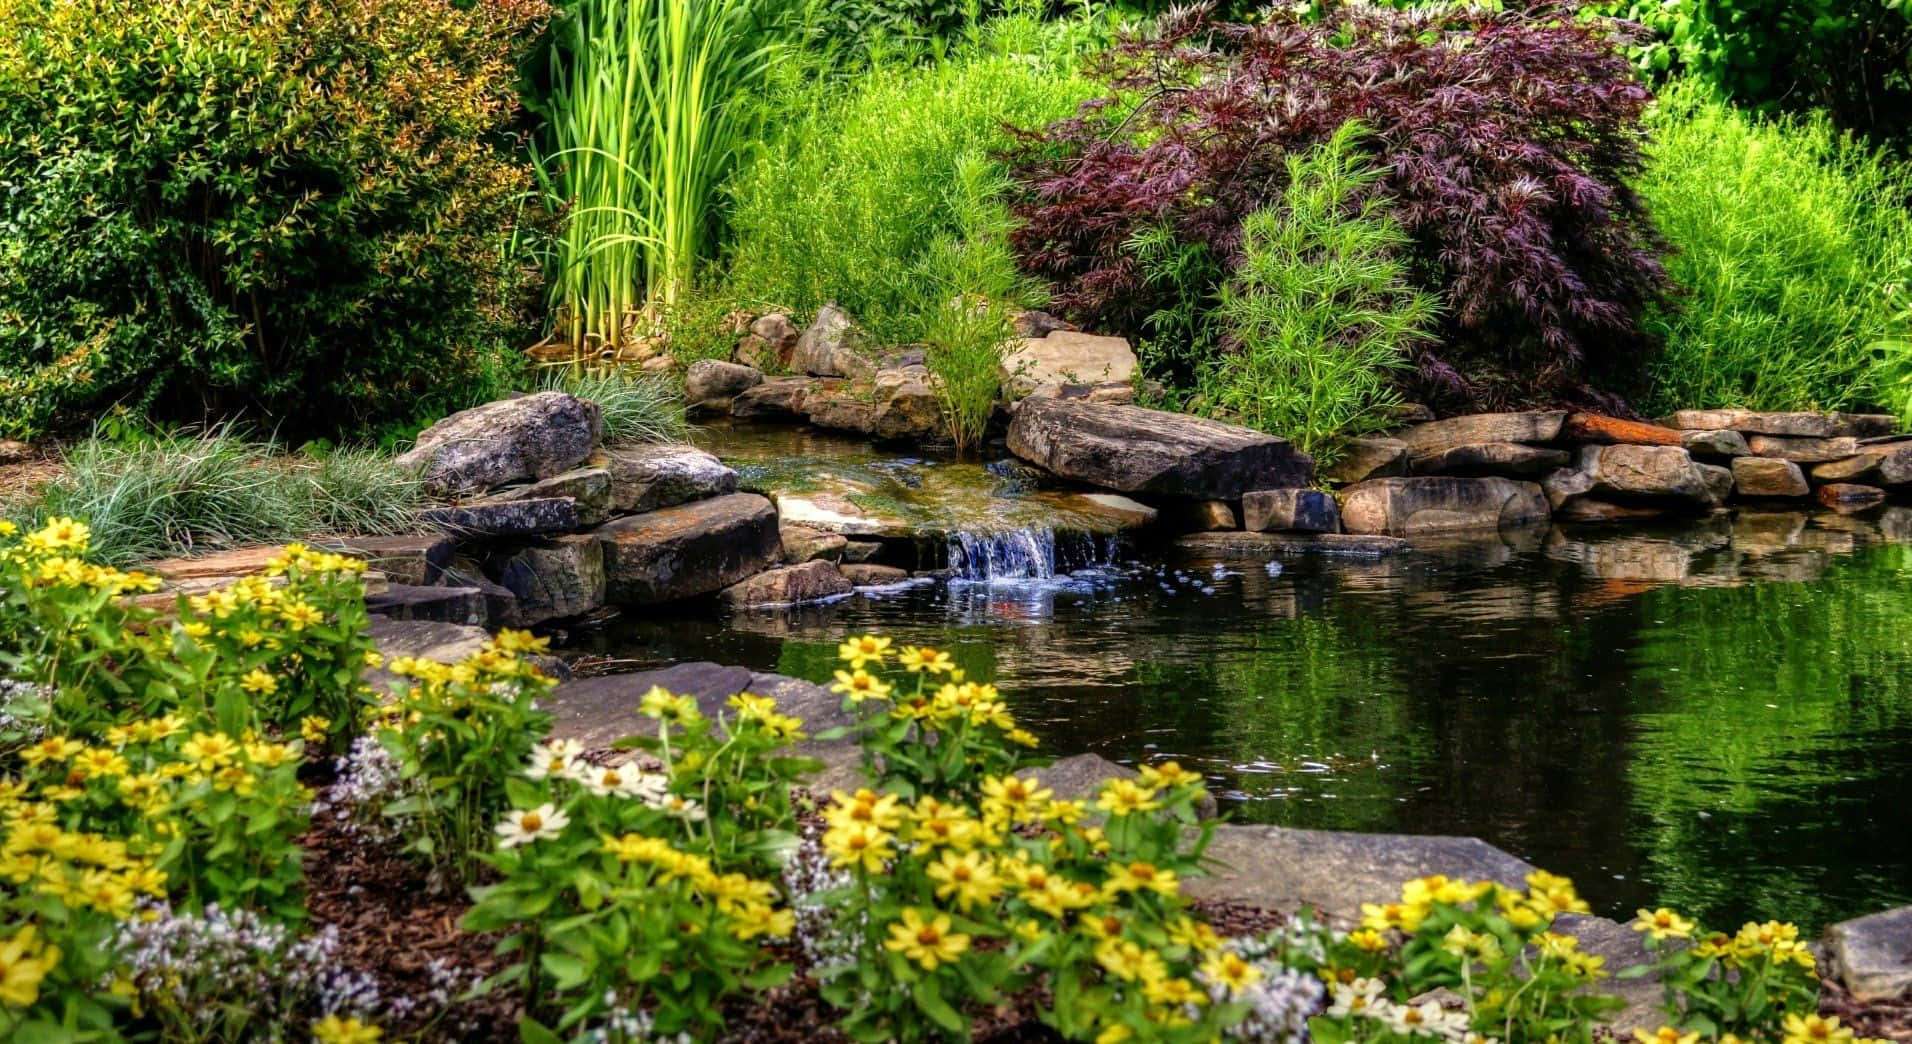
(1878, 1019)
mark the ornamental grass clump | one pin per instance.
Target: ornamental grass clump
(1507, 139)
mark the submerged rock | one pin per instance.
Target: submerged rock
(1136, 450)
(1847, 496)
(811, 581)
(513, 440)
(1437, 504)
(1242, 543)
(688, 550)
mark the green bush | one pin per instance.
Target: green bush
(852, 200)
(208, 207)
(1788, 239)
(1320, 311)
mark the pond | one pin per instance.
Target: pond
(1715, 716)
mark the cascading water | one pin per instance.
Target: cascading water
(1020, 555)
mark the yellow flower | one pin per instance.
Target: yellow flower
(1665, 1035)
(1022, 738)
(922, 658)
(1140, 876)
(935, 823)
(1128, 960)
(259, 683)
(1173, 993)
(927, 942)
(860, 685)
(1815, 1029)
(60, 533)
(301, 615)
(1014, 797)
(758, 919)
(662, 705)
(865, 806)
(1122, 797)
(1380, 917)
(1169, 774)
(519, 642)
(1663, 924)
(335, 1030)
(52, 748)
(314, 728)
(1470, 945)
(210, 750)
(1231, 971)
(1196, 935)
(863, 650)
(24, 961)
(1369, 939)
(99, 761)
(858, 845)
(373, 659)
(967, 877)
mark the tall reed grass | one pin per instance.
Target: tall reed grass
(650, 107)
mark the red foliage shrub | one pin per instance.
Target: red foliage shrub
(1508, 141)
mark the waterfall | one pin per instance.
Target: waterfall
(1011, 555)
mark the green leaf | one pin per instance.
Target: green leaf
(928, 996)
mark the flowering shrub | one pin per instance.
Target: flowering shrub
(458, 734)
(1756, 985)
(286, 648)
(1507, 137)
(623, 887)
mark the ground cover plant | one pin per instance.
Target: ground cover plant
(1787, 240)
(316, 225)
(1521, 214)
(636, 407)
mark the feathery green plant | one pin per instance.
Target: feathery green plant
(1788, 239)
(648, 112)
(1321, 310)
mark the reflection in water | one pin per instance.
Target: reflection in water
(1718, 717)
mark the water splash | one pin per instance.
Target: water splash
(1019, 555)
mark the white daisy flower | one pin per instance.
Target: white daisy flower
(1426, 1019)
(554, 758)
(1360, 997)
(681, 807)
(524, 826)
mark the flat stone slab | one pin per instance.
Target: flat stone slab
(1269, 545)
(1598, 428)
(455, 605)
(1406, 507)
(1798, 425)
(403, 559)
(1768, 477)
(1365, 458)
(1134, 450)
(646, 478)
(1489, 458)
(689, 550)
(1872, 955)
(1804, 450)
(589, 487)
(505, 517)
(1475, 428)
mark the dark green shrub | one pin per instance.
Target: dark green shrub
(1788, 240)
(210, 207)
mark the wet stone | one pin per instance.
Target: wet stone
(1290, 510)
(1848, 496)
(1768, 477)
(505, 517)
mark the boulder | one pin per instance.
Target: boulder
(1136, 450)
(1489, 458)
(777, 399)
(1848, 496)
(813, 581)
(768, 344)
(711, 384)
(1066, 357)
(1895, 467)
(906, 406)
(831, 347)
(1290, 510)
(1407, 507)
(415, 560)
(454, 605)
(838, 405)
(1860, 467)
(1768, 477)
(1655, 474)
(804, 544)
(1715, 445)
(1473, 429)
(1243, 544)
(1804, 450)
(1872, 955)
(1595, 428)
(1790, 425)
(1367, 457)
(869, 574)
(493, 517)
(513, 440)
(1719, 481)
(645, 478)
(501, 606)
(555, 579)
(589, 487)
(688, 550)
